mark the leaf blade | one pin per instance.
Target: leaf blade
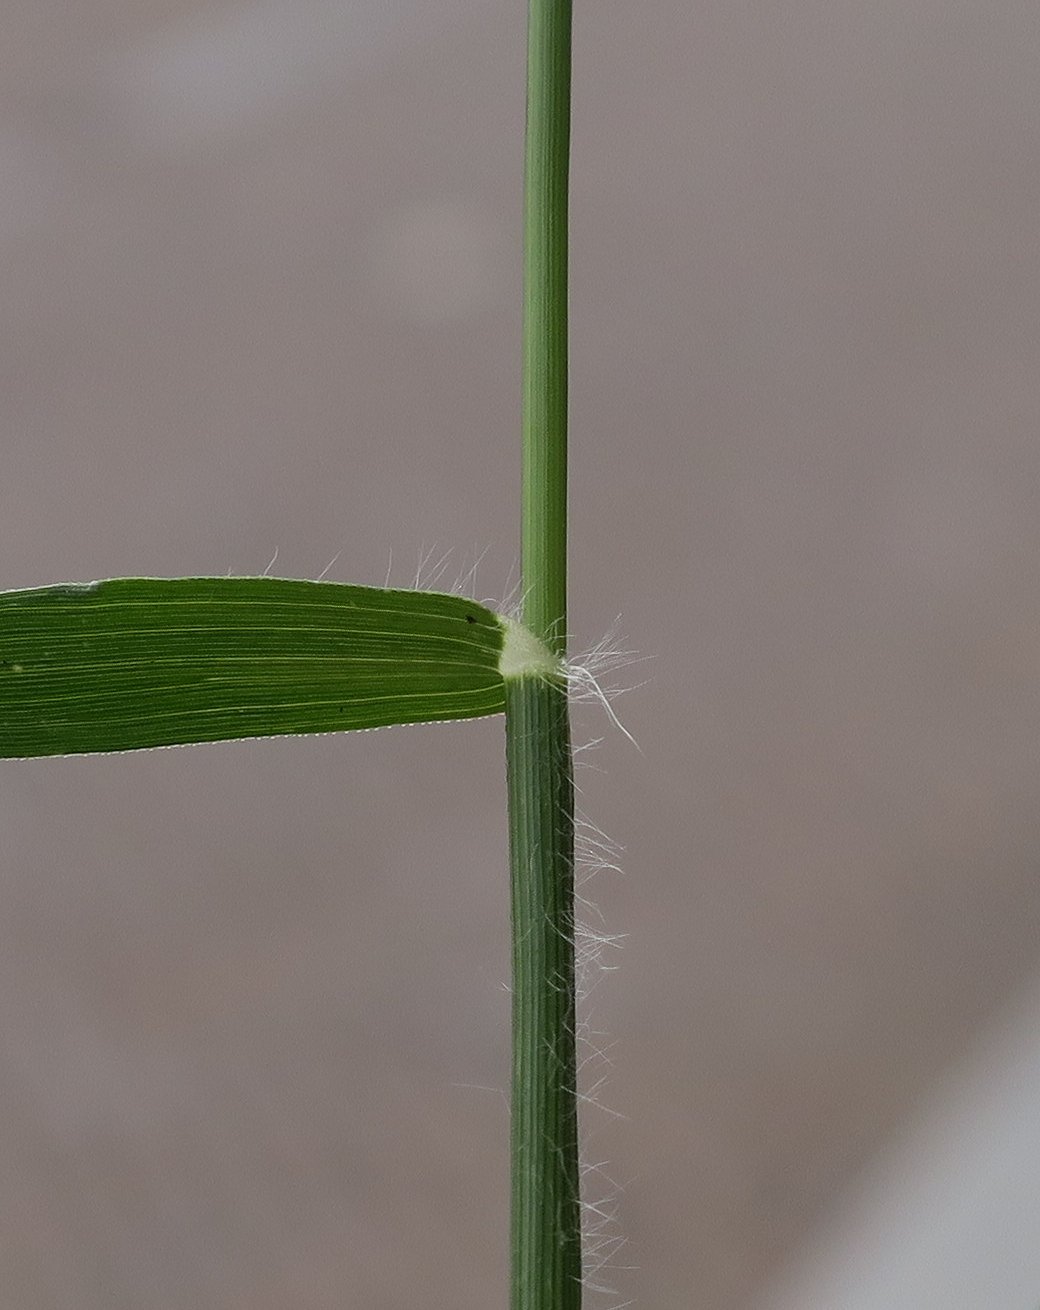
(133, 663)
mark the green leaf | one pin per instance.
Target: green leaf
(138, 662)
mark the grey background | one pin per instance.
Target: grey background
(261, 291)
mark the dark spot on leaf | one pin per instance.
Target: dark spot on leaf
(470, 618)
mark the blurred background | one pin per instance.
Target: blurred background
(261, 270)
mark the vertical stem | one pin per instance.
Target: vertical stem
(545, 1215)
(545, 1241)
(544, 537)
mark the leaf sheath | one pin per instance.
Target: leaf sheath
(546, 1247)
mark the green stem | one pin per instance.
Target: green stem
(546, 1218)
(546, 1213)
(544, 537)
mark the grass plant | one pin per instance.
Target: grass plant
(134, 663)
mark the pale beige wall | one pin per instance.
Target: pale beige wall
(260, 290)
